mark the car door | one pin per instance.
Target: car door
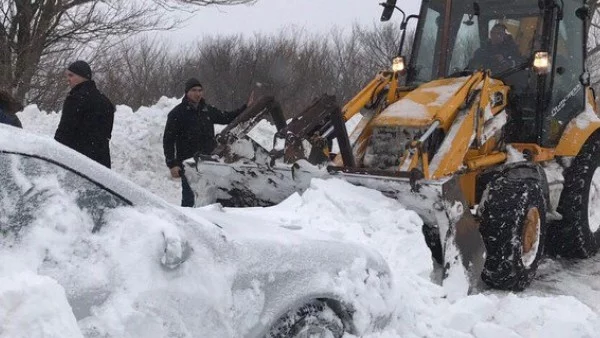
(48, 216)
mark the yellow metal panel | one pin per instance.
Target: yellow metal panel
(574, 138)
(486, 160)
(435, 100)
(452, 153)
(392, 91)
(579, 129)
(361, 145)
(539, 154)
(367, 94)
(455, 147)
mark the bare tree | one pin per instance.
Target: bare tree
(175, 3)
(293, 66)
(31, 30)
(138, 72)
(380, 44)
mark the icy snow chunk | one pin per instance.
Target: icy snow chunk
(491, 330)
(456, 284)
(469, 311)
(363, 285)
(263, 134)
(514, 155)
(589, 115)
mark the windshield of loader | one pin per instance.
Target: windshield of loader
(469, 35)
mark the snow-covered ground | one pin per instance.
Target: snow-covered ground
(564, 300)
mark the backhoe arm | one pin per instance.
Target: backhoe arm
(368, 94)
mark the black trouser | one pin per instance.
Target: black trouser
(187, 195)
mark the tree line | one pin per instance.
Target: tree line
(294, 66)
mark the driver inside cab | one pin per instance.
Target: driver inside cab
(499, 54)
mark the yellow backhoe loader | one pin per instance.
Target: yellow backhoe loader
(500, 158)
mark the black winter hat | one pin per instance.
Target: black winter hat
(191, 83)
(81, 68)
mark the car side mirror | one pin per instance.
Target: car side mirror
(176, 251)
(388, 9)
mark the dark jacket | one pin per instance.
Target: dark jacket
(190, 130)
(10, 119)
(8, 109)
(485, 57)
(86, 123)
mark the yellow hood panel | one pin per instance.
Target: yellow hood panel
(422, 105)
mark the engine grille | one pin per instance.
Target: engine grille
(387, 145)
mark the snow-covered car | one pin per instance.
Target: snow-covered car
(133, 265)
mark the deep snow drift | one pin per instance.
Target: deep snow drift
(564, 301)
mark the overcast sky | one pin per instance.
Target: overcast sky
(270, 16)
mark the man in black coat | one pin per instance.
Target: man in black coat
(87, 116)
(190, 129)
(499, 54)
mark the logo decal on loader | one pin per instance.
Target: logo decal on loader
(563, 102)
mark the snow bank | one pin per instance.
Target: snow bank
(341, 210)
(33, 306)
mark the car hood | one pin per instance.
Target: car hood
(283, 243)
(281, 268)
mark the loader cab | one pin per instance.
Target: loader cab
(541, 102)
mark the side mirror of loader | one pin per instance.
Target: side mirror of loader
(388, 9)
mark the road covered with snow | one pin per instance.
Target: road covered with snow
(564, 300)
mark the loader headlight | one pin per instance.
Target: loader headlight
(541, 62)
(398, 64)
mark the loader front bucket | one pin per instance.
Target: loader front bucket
(248, 183)
(450, 230)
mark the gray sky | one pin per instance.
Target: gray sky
(270, 16)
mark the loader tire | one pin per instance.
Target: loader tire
(577, 235)
(513, 230)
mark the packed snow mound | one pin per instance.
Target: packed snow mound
(33, 306)
(338, 209)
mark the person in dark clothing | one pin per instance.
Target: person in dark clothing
(499, 54)
(87, 116)
(8, 109)
(190, 130)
